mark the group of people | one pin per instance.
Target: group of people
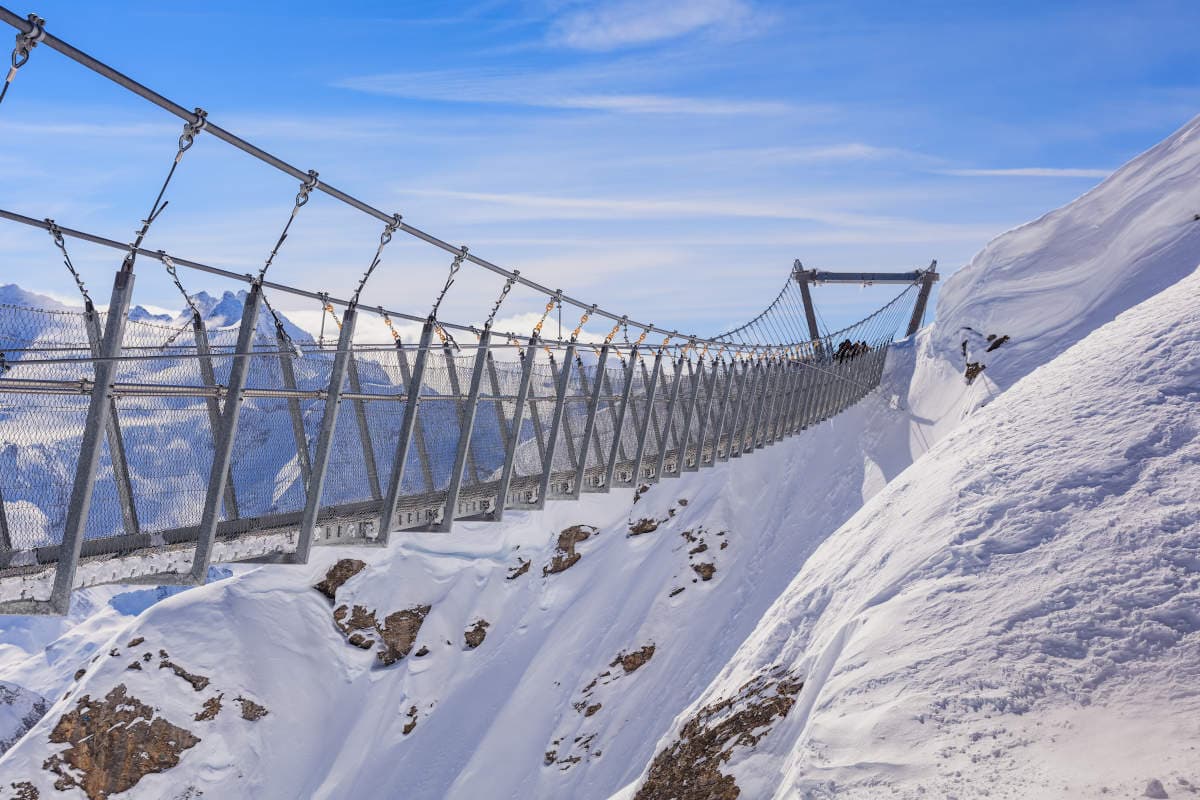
(848, 350)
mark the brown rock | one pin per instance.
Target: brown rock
(565, 555)
(424, 651)
(705, 571)
(700, 548)
(136, 642)
(632, 661)
(475, 635)
(251, 710)
(198, 682)
(519, 570)
(114, 743)
(135, 665)
(79, 673)
(212, 707)
(676, 591)
(689, 768)
(24, 790)
(591, 710)
(338, 574)
(399, 631)
(411, 725)
(643, 525)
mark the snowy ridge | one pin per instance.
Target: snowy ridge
(1016, 614)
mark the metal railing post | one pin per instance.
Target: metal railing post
(747, 394)
(706, 415)
(419, 434)
(696, 380)
(5, 537)
(225, 436)
(95, 426)
(556, 423)
(619, 425)
(759, 418)
(408, 424)
(459, 402)
(590, 425)
(364, 430)
(497, 404)
(465, 428)
(612, 415)
(209, 378)
(333, 399)
(568, 434)
(669, 425)
(651, 390)
(288, 371)
(506, 474)
(116, 442)
(725, 416)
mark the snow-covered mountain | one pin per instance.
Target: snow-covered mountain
(958, 586)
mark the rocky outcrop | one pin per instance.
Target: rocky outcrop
(689, 769)
(114, 743)
(475, 635)
(338, 574)
(20, 710)
(633, 660)
(565, 556)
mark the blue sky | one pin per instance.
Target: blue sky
(667, 159)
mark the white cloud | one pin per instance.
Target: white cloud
(1029, 172)
(624, 24)
(664, 104)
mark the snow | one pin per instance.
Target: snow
(1016, 605)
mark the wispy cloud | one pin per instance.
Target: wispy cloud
(609, 26)
(1029, 172)
(580, 89)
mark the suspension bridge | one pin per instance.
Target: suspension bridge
(137, 451)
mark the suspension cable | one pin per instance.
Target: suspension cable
(384, 238)
(26, 41)
(57, 235)
(301, 199)
(508, 284)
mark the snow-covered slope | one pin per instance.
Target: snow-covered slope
(1018, 614)
(513, 716)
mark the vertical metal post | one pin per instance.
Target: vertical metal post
(333, 399)
(288, 371)
(419, 433)
(116, 442)
(527, 360)
(209, 378)
(722, 427)
(783, 403)
(810, 314)
(745, 404)
(791, 424)
(498, 404)
(408, 424)
(539, 432)
(619, 424)
(591, 436)
(706, 415)
(556, 422)
(364, 430)
(590, 425)
(929, 277)
(697, 380)
(459, 402)
(612, 415)
(645, 426)
(568, 434)
(759, 419)
(226, 433)
(5, 536)
(465, 429)
(771, 404)
(96, 423)
(669, 425)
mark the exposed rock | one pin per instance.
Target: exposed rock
(683, 501)
(24, 790)
(631, 661)
(360, 641)
(641, 490)
(565, 555)
(114, 743)
(705, 571)
(549, 757)
(136, 642)
(399, 631)
(251, 710)
(995, 341)
(973, 370)
(520, 569)
(700, 548)
(592, 709)
(358, 619)
(198, 682)
(689, 768)
(338, 574)
(1155, 789)
(212, 707)
(424, 651)
(79, 673)
(643, 525)
(20, 710)
(676, 591)
(411, 725)
(135, 665)
(724, 544)
(475, 635)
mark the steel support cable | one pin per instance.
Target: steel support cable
(306, 186)
(455, 266)
(26, 41)
(57, 235)
(218, 132)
